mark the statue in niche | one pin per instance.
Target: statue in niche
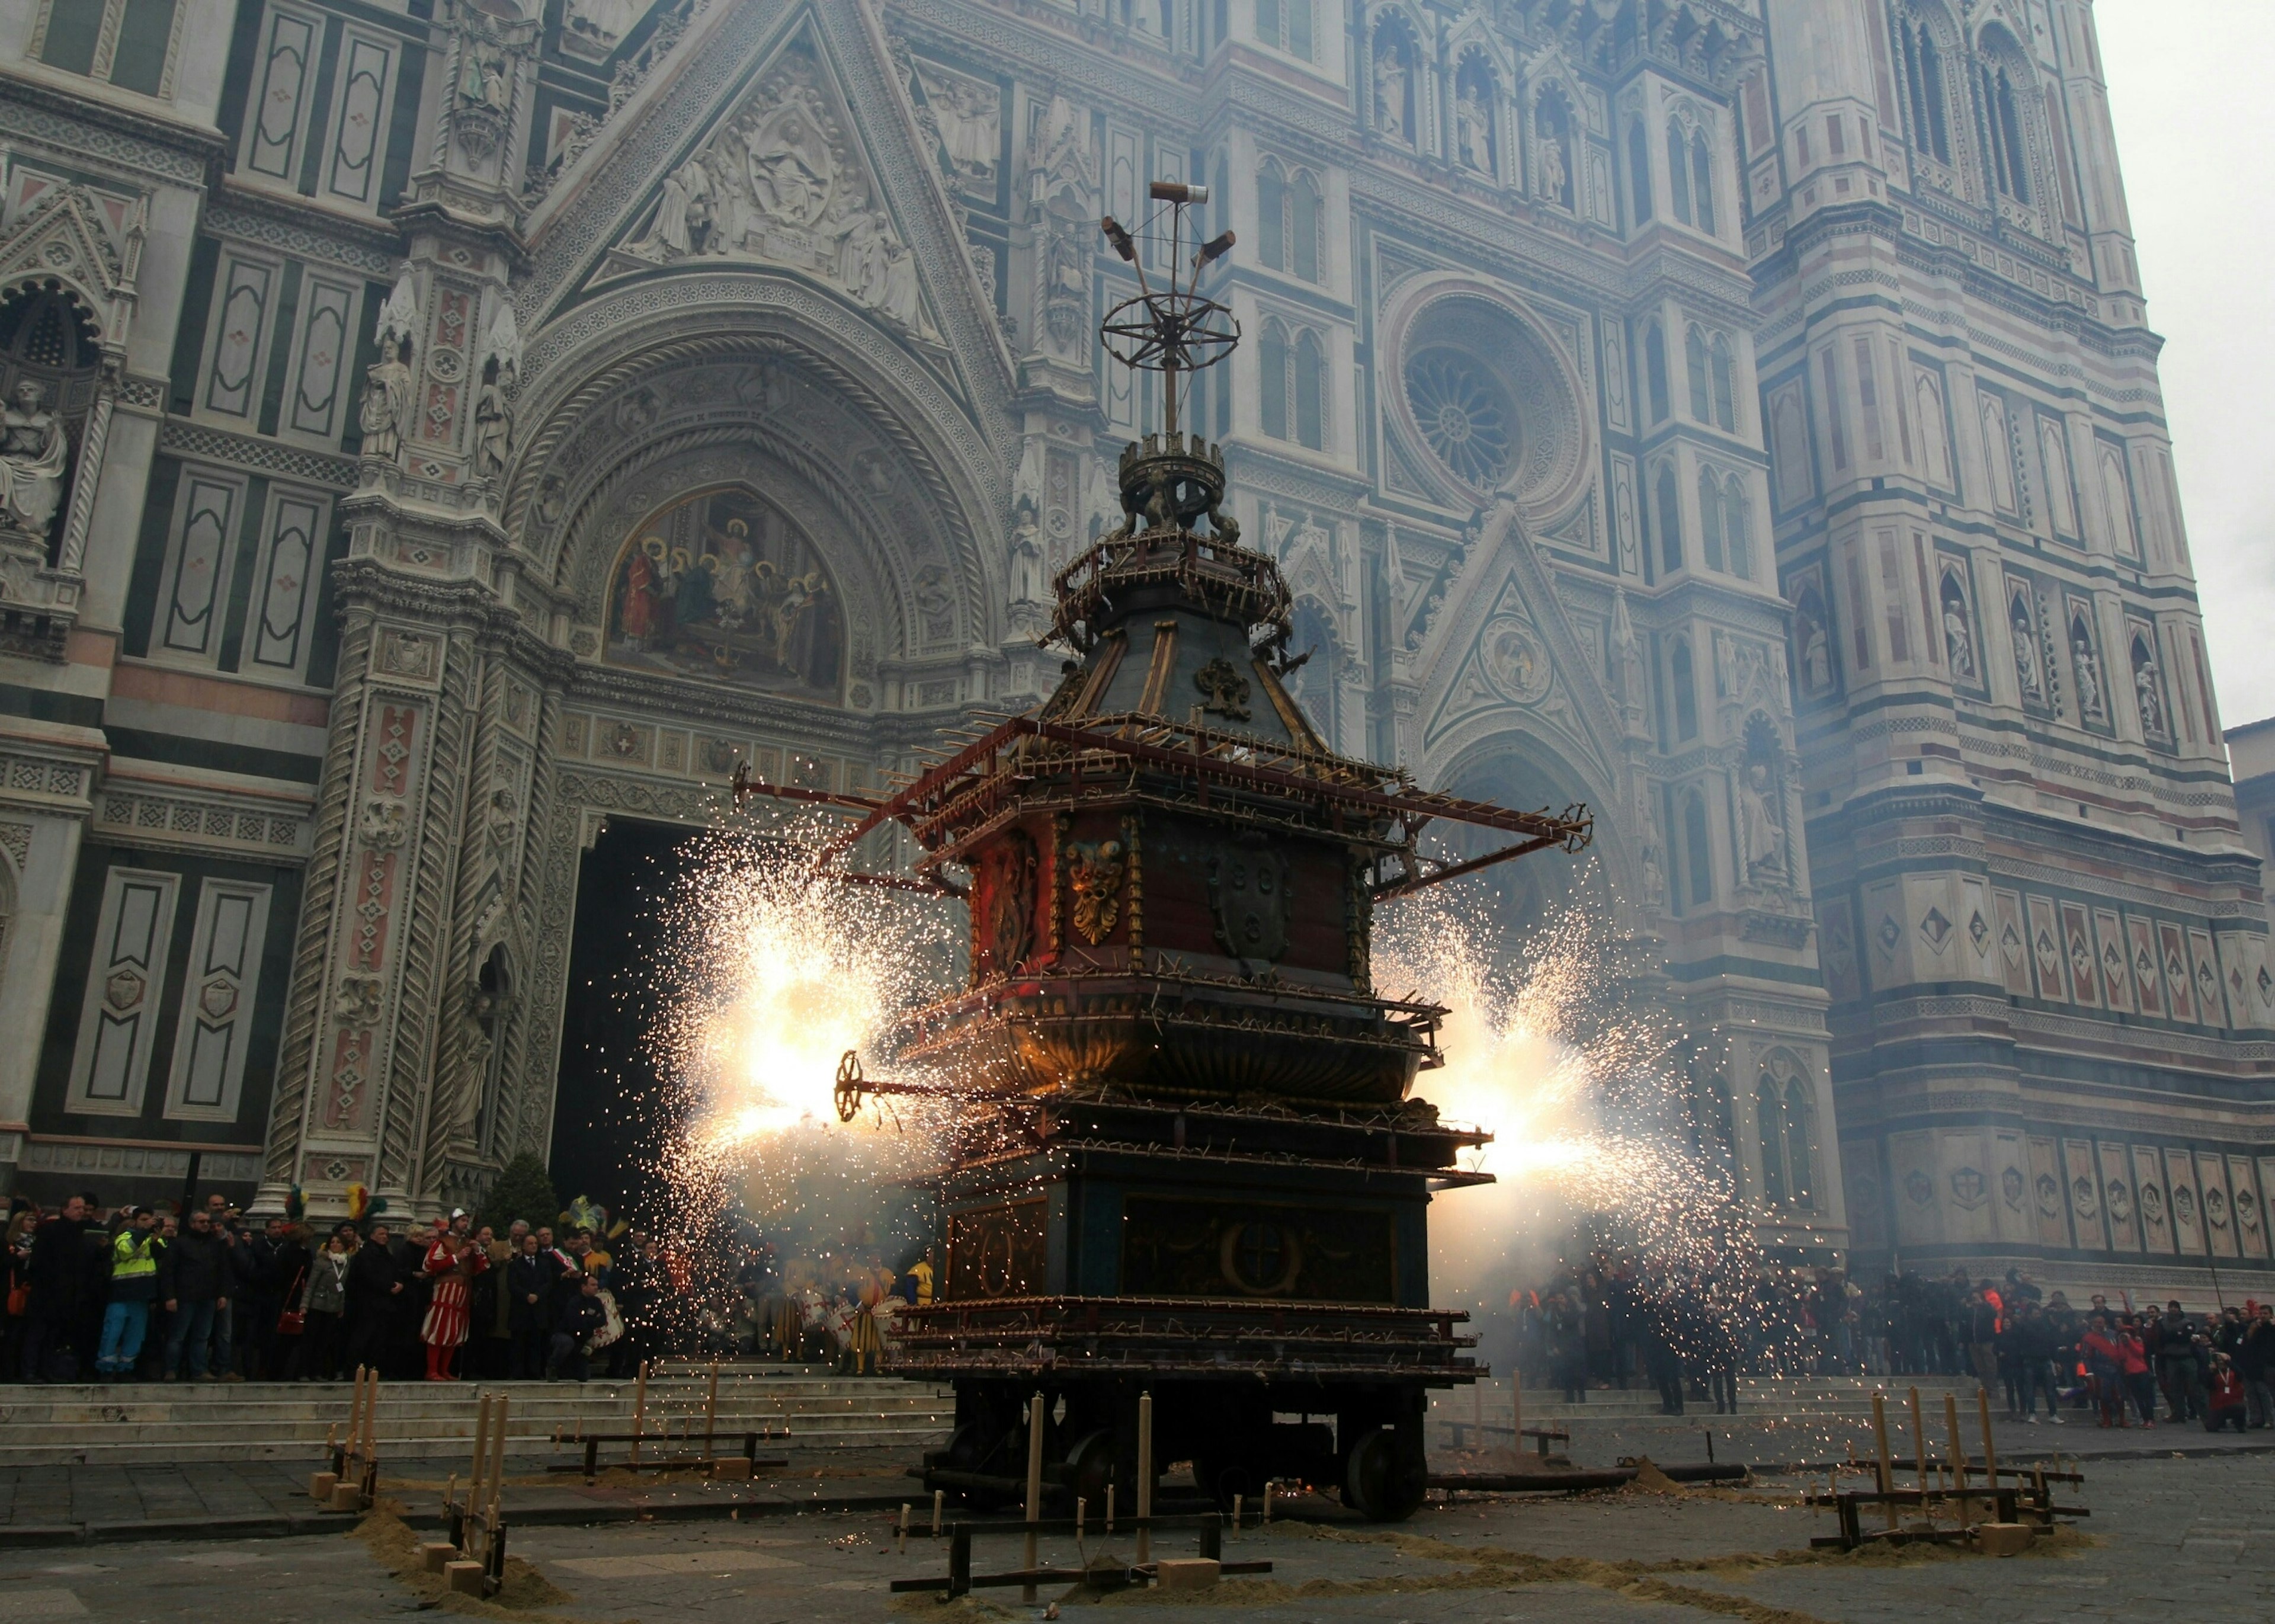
(969, 115)
(721, 587)
(1958, 640)
(1026, 557)
(1654, 855)
(386, 412)
(493, 425)
(1761, 831)
(1390, 87)
(34, 448)
(2088, 665)
(2026, 649)
(2144, 689)
(1553, 179)
(1473, 129)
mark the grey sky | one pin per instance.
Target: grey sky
(2189, 135)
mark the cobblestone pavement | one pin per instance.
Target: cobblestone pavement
(2195, 1536)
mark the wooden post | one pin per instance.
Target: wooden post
(1919, 1455)
(1109, 1508)
(711, 1413)
(1885, 1479)
(1145, 1475)
(959, 1561)
(1958, 1453)
(1235, 1514)
(482, 1451)
(901, 1534)
(1034, 1489)
(938, 1499)
(640, 1411)
(1267, 1503)
(497, 1465)
(1990, 1450)
(1517, 1408)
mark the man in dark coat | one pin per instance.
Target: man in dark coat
(194, 1281)
(375, 1285)
(529, 1279)
(57, 1278)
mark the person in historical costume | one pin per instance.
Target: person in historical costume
(33, 447)
(639, 616)
(452, 1261)
(697, 601)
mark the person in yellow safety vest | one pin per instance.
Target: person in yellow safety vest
(133, 1288)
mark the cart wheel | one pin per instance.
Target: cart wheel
(849, 1085)
(1090, 1468)
(1385, 1477)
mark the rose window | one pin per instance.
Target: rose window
(1464, 414)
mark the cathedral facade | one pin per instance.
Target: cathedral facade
(435, 428)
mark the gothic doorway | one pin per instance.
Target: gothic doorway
(610, 1108)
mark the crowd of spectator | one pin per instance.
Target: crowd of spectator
(131, 1294)
(1604, 1326)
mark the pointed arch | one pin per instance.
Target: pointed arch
(1697, 848)
(1737, 527)
(1272, 380)
(1710, 517)
(1694, 367)
(1678, 171)
(1702, 182)
(1310, 385)
(1638, 173)
(1654, 366)
(1685, 676)
(1725, 378)
(1306, 212)
(1272, 215)
(1667, 502)
(1770, 1137)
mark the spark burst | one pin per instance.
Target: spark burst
(777, 971)
(1555, 1045)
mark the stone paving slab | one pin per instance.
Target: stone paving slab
(2189, 1537)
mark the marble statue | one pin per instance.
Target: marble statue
(1761, 832)
(34, 446)
(1473, 130)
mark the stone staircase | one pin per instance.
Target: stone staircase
(1759, 1398)
(144, 1423)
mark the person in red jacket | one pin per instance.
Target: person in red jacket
(452, 1263)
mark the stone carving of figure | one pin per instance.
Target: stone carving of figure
(2145, 685)
(1761, 834)
(386, 411)
(34, 445)
(901, 302)
(2026, 653)
(1815, 655)
(1390, 90)
(969, 119)
(1554, 178)
(1958, 642)
(1654, 856)
(2088, 673)
(791, 171)
(1628, 648)
(1472, 129)
(493, 425)
(606, 21)
(1026, 557)
(685, 211)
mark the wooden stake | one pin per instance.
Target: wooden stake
(1145, 1475)
(1081, 1506)
(1034, 1488)
(1919, 1455)
(1516, 1409)
(901, 1535)
(1990, 1450)
(710, 1410)
(1880, 1440)
(639, 1410)
(1109, 1508)
(1958, 1454)
(1235, 1514)
(482, 1451)
(1267, 1504)
(938, 1498)
(497, 1461)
